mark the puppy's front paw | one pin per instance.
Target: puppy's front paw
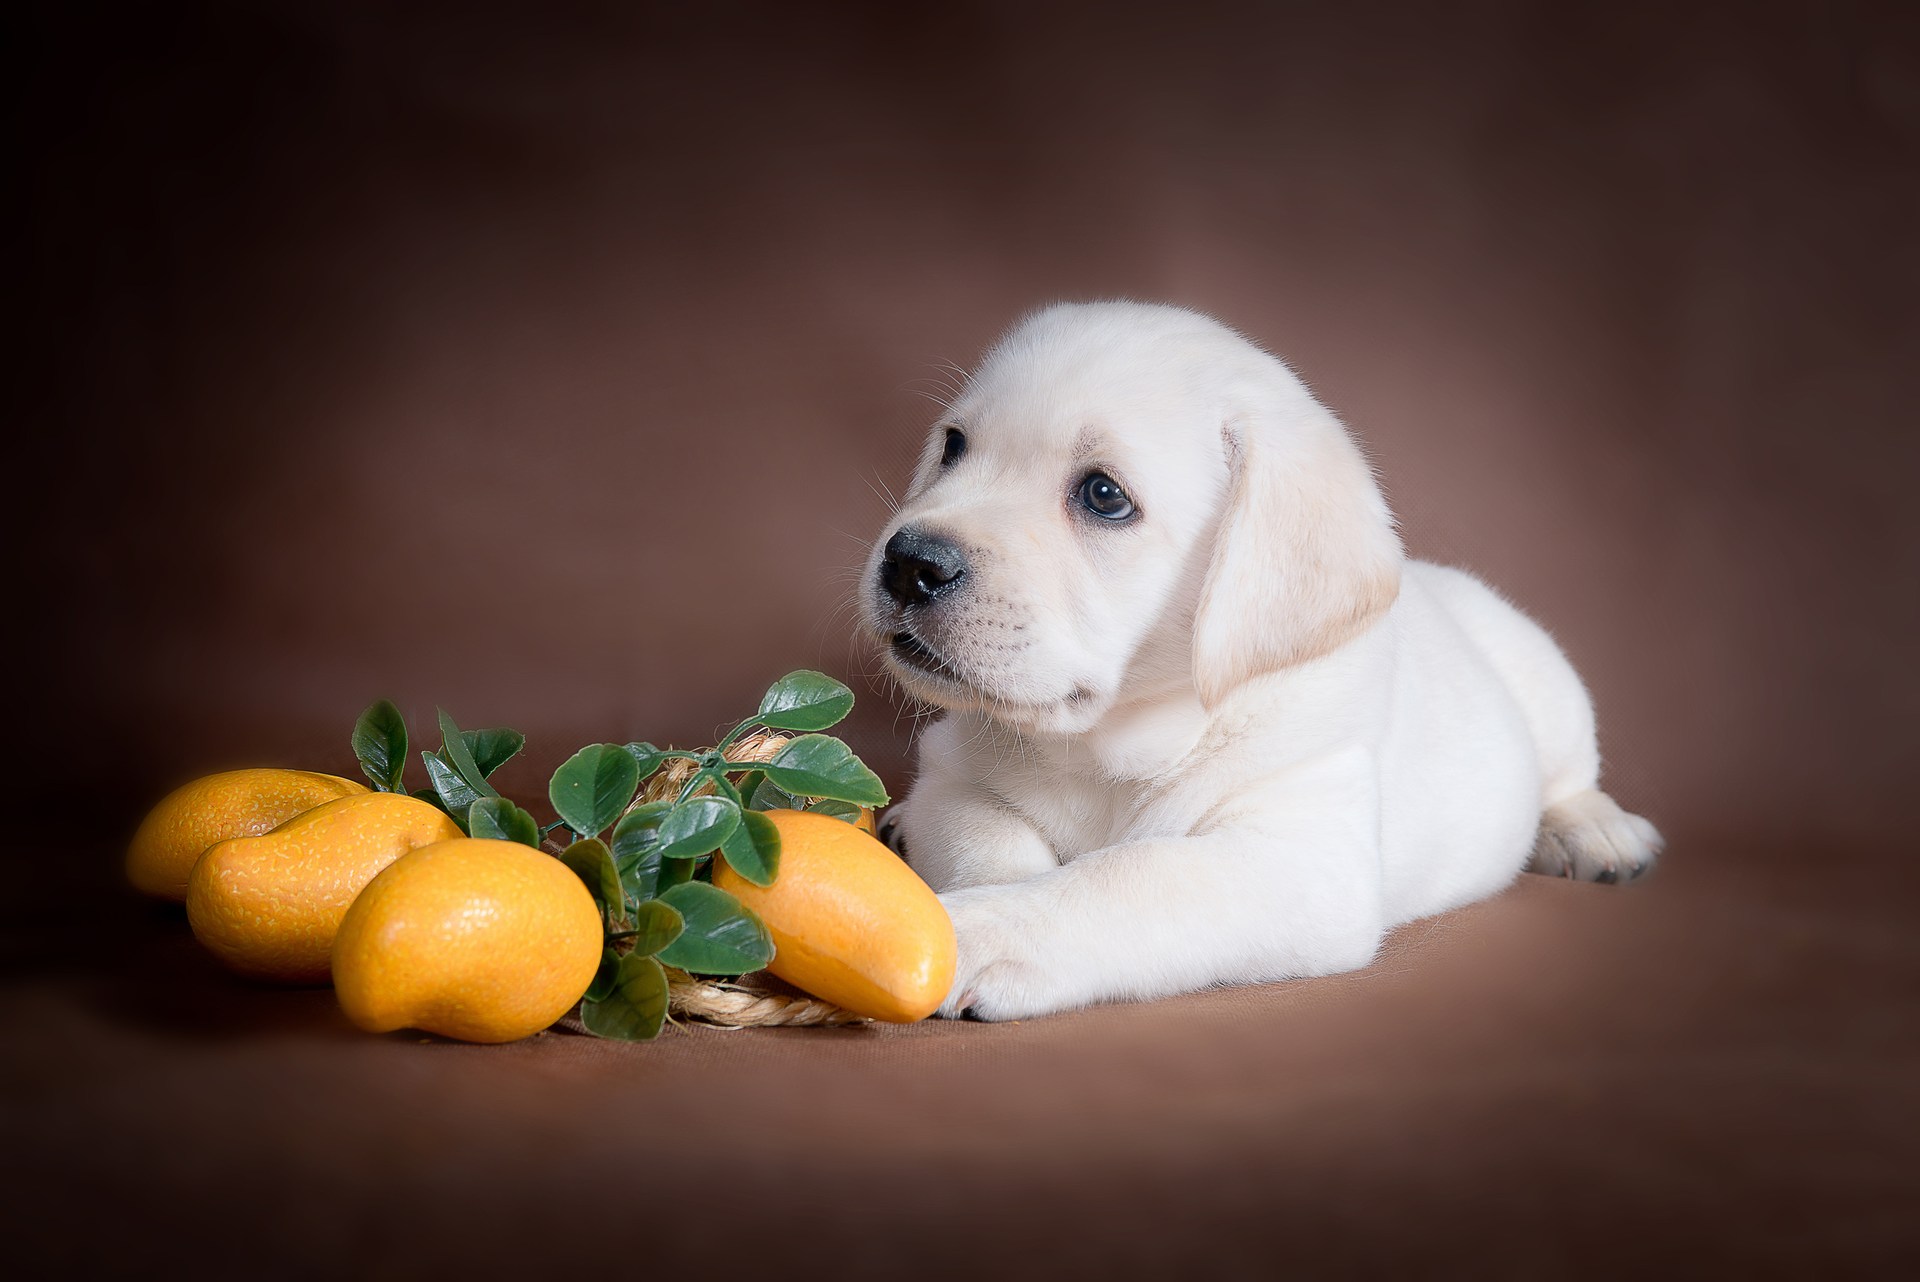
(1588, 837)
(999, 974)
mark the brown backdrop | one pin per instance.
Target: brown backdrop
(552, 363)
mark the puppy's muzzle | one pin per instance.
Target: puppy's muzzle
(919, 566)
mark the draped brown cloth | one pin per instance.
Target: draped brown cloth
(553, 364)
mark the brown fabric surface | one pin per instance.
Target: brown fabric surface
(552, 366)
(1566, 1080)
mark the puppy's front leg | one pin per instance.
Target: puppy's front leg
(1285, 886)
(956, 836)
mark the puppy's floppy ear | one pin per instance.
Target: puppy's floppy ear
(1306, 556)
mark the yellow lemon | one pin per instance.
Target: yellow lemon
(486, 941)
(851, 923)
(268, 906)
(237, 803)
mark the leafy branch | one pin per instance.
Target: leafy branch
(648, 866)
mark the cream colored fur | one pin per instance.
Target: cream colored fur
(1237, 737)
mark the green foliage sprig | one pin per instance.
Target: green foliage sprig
(649, 866)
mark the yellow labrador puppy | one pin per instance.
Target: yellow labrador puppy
(1207, 723)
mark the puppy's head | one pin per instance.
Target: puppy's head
(1124, 501)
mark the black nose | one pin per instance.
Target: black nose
(918, 566)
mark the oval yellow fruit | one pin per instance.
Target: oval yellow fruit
(486, 941)
(851, 923)
(269, 906)
(236, 803)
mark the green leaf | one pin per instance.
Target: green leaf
(456, 798)
(845, 811)
(697, 826)
(500, 819)
(753, 850)
(592, 863)
(637, 846)
(380, 745)
(655, 925)
(636, 852)
(593, 786)
(606, 977)
(768, 795)
(492, 749)
(647, 757)
(635, 1004)
(638, 831)
(804, 701)
(722, 935)
(818, 765)
(454, 751)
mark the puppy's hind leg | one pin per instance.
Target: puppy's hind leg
(1588, 837)
(1583, 833)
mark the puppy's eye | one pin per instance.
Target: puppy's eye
(956, 446)
(1101, 495)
